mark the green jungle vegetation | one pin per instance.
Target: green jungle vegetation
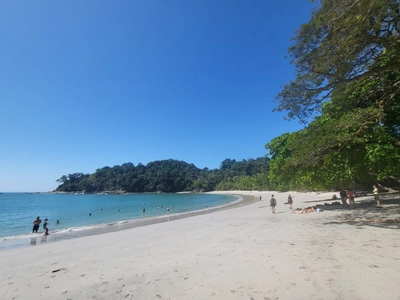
(346, 92)
(170, 176)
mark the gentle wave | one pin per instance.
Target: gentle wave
(77, 229)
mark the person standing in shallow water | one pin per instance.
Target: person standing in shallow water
(36, 225)
(272, 203)
(45, 224)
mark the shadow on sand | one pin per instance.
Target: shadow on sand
(368, 214)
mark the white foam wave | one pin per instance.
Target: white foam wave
(116, 223)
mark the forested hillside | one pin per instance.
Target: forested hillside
(170, 176)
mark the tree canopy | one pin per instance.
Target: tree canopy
(169, 176)
(347, 43)
(347, 61)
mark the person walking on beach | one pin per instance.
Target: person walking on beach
(376, 194)
(290, 201)
(36, 224)
(273, 203)
(351, 196)
(343, 196)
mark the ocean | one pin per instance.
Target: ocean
(86, 214)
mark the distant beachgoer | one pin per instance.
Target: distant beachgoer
(272, 201)
(343, 196)
(36, 224)
(334, 197)
(90, 214)
(305, 210)
(376, 194)
(58, 222)
(143, 210)
(260, 197)
(167, 208)
(290, 201)
(45, 224)
(351, 196)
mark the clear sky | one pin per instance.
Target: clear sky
(88, 84)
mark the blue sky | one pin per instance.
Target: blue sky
(88, 84)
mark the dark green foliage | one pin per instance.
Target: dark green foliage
(170, 176)
(347, 71)
(345, 43)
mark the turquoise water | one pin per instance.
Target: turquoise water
(78, 212)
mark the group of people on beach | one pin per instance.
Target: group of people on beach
(273, 202)
(350, 194)
(344, 195)
(36, 225)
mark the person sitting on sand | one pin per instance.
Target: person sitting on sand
(273, 203)
(290, 201)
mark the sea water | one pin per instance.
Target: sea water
(81, 212)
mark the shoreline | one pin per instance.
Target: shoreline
(10, 243)
(245, 252)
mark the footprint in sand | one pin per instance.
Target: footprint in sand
(373, 266)
(317, 286)
(330, 282)
(303, 267)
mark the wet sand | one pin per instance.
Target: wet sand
(117, 226)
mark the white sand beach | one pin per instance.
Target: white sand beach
(239, 253)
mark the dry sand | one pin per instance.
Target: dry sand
(241, 253)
